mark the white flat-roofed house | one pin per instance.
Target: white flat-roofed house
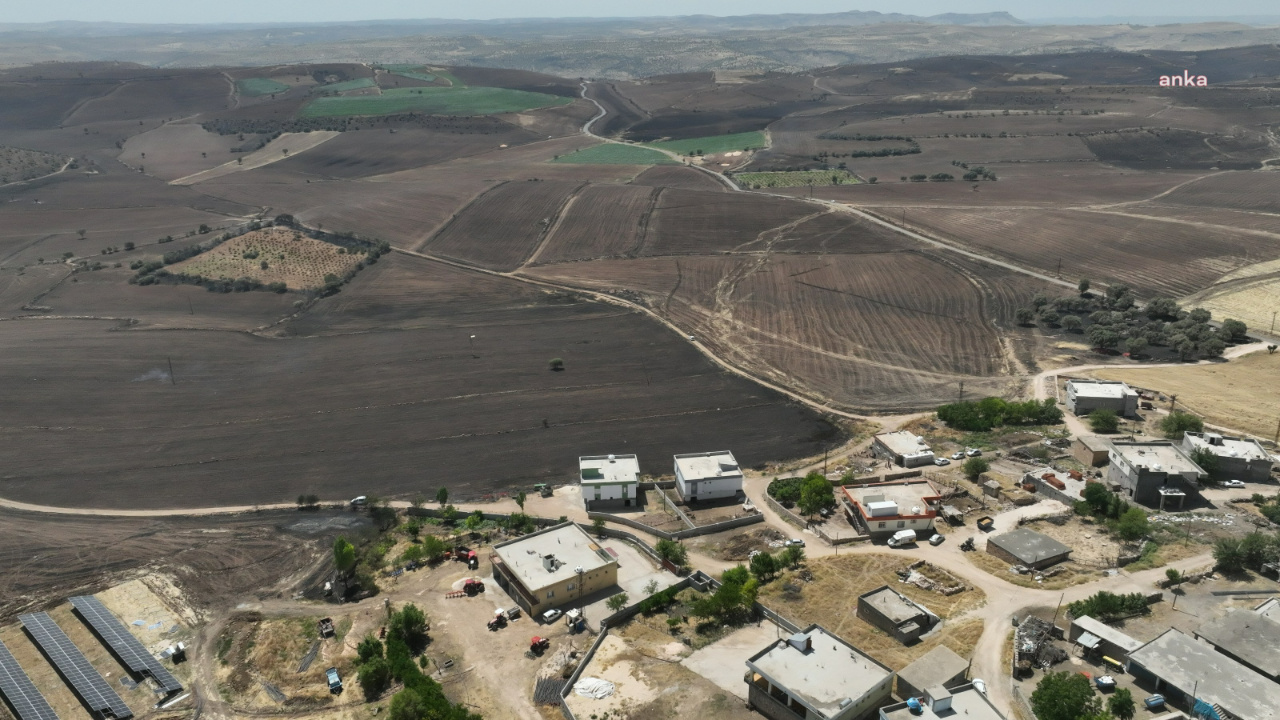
(1085, 396)
(609, 481)
(1238, 458)
(882, 509)
(707, 476)
(814, 674)
(1154, 474)
(903, 448)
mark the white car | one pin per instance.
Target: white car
(941, 462)
(973, 452)
(551, 616)
(1231, 484)
(937, 539)
(795, 542)
(980, 686)
(957, 455)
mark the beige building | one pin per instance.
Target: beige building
(553, 567)
(816, 675)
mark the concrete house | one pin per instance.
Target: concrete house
(896, 614)
(882, 509)
(609, 481)
(708, 476)
(941, 703)
(1238, 458)
(1085, 396)
(553, 567)
(1247, 637)
(1154, 474)
(940, 666)
(1025, 546)
(903, 448)
(814, 674)
(1091, 450)
(1177, 666)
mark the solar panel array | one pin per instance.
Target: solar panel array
(19, 691)
(73, 665)
(123, 643)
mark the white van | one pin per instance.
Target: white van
(902, 537)
(359, 501)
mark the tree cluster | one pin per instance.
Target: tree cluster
(1233, 555)
(988, 413)
(672, 551)
(1107, 606)
(734, 601)
(1125, 520)
(480, 125)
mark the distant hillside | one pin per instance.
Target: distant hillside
(616, 48)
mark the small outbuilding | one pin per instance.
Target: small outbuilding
(938, 667)
(896, 614)
(1100, 639)
(1025, 546)
(1092, 450)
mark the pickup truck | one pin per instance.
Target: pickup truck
(335, 682)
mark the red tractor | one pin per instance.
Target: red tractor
(499, 620)
(539, 645)
(473, 587)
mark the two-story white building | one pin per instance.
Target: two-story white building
(609, 481)
(708, 476)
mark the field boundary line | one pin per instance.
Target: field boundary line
(550, 232)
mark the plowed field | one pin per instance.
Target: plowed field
(503, 226)
(602, 221)
(688, 222)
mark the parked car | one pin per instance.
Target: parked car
(335, 682)
(551, 616)
(937, 539)
(1231, 484)
(941, 462)
(957, 455)
(973, 452)
(980, 686)
(1106, 682)
(1153, 702)
(902, 537)
(797, 542)
(360, 501)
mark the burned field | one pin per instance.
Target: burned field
(380, 389)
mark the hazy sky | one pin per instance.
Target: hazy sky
(169, 11)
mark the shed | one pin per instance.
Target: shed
(1100, 638)
(1028, 547)
(939, 666)
(896, 614)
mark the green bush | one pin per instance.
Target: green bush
(1177, 422)
(993, 412)
(1106, 606)
(1228, 554)
(368, 649)
(672, 551)
(374, 677)
(1104, 421)
(786, 490)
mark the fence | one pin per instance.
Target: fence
(786, 515)
(496, 517)
(675, 509)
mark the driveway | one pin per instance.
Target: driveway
(723, 662)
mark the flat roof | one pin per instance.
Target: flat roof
(893, 605)
(1228, 446)
(823, 677)
(1028, 545)
(966, 702)
(708, 466)
(570, 545)
(608, 469)
(1253, 638)
(933, 668)
(1108, 633)
(1161, 456)
(903, 442)
(1190, 665)
(1100, 389)
(907, 494)
(1269, 608)
(1094, 442)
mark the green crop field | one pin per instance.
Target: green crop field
(616, 154)
(435, 101)
(346, 85)
(714, 143)
(455, 82)
(425, 77)
(257, 87)
(794, 179)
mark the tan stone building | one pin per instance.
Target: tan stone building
(553, 567)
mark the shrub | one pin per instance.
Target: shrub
(1133, 524)
(974, 467)
(617, 602)
(368, 649)
(786, 490)
(1064, 696)
(374, 677)
(1106, 606)
(992, 412)
(1176, 423)
(764, 566)
(1104, 421)
(1228, 554)
(672, 551)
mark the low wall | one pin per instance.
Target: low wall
(671, 505)
(620, 520)
(787, 516)
(1044, 488)
(679, 534)
(496, 517)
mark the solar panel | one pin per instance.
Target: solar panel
(123, 643)
(74, 667)
(19, 691)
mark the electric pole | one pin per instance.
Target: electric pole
(1173, 403)
(1273, 321)
(960, 397)
(172, 381)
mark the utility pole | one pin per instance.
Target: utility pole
(960, 397)
(1277, 439)
(1173, 403)
(172, 381)
(1273, 321)
(1055, 612)
(1059, 267)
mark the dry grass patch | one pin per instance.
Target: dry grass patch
(831, 598)
(272, 255)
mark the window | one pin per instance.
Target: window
(551, 594)
(571, 586)
(881, 526)
(902, 523)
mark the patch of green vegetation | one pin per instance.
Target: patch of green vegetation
(435, 101)
(616, 154)
(797, 178)
(714, 143)
(257, 87)
(450, 78)
(224, 646)
(345, 85)
(425, 77)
